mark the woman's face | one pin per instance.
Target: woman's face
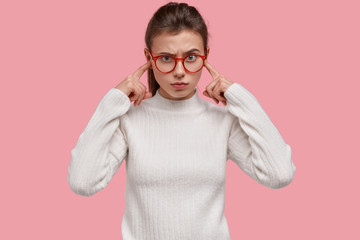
(178, 45)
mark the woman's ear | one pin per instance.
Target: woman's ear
(147, 56)
(207, 50)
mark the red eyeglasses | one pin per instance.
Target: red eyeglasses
(192, 63)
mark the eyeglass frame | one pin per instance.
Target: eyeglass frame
(178, 59)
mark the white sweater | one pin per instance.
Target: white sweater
(175, 154)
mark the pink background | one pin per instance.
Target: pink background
(299, 58)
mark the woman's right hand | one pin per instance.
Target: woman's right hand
(133, 88)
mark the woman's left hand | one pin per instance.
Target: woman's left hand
(218, 86)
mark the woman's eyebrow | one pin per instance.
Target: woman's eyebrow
(189, 51)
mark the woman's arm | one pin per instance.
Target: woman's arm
(255, 144)
(101, 147)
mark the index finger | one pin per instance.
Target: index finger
(140, 71)
(212, 70)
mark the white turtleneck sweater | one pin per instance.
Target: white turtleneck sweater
(175, 154)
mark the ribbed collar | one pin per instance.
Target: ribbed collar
(192, 104)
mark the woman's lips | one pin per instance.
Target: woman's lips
(179, 85)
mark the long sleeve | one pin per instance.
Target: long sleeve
(101, 147)
(255, 144)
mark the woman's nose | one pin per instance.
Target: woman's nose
(179, 70)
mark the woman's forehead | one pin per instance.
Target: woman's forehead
(177, 43)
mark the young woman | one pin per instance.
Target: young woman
(174, 143)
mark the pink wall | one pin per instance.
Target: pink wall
(299, 58)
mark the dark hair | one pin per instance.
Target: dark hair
(173, 17)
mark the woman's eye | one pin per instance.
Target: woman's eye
(165, 58)
(191, 58)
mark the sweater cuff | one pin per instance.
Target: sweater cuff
(117, 96)
(115, 100)
(238, 95)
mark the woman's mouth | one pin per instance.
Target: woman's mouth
(179, 85)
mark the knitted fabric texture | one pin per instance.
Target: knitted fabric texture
(175, 154)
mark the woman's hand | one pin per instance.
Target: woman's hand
(133, 88)
(218, 86)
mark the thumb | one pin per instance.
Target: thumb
(206, 93)
(147, 95)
